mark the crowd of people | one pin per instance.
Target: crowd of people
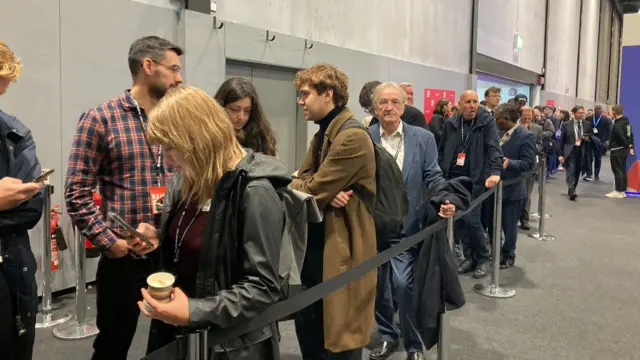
(220, 228)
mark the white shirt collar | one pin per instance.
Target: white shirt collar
(399, 131)
(510, 132)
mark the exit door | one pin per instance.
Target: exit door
(278, 98)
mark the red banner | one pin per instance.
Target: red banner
(431, 98)
(551, 103)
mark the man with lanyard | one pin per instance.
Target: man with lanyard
(469, 147)
(110, 152)
(598, 146)
(519, 148)
(415, 152)
(574, 133)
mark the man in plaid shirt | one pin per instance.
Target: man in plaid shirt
(110, 152)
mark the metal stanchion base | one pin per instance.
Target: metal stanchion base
(52, 318)
(494, 291)
(75, 331)
(536, 216)
(542, 237)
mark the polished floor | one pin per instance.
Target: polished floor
(575, 300)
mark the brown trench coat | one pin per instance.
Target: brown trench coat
(350, 236)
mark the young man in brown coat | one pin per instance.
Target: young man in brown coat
(340, 325)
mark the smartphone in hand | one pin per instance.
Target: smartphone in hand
(44, 176)
(120, 221)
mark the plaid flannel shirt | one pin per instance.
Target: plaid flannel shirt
(110, 152)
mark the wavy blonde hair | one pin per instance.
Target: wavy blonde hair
(10, 67)
(194, 124)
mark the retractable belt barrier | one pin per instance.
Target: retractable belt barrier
(179, 349)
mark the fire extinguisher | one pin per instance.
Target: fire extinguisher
(58, 242)
(90, 250)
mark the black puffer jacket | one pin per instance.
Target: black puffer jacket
(238, 268)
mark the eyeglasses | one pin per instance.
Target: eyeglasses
(173, 68)
(394, 102)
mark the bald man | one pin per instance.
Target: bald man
(469, 147)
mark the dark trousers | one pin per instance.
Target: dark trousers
(619, 168)
(395, 282)
(12, 345)
(526, 203)
(573, 167)
(118, 291)
(475, 247)
(510, 214)
(592, 159)
(552, 162)
(310, 321)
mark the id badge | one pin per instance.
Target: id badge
(558, 133)
(460, 160)
(595, 130)
(157, 198)
(207, 206)
(578, 142)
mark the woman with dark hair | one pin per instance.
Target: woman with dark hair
(440, 115)
(240, 99)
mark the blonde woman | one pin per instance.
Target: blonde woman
(221, 229)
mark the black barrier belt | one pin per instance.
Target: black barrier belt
(309, 296)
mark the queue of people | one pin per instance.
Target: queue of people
(220, 228)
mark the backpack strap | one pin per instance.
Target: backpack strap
(367, 199)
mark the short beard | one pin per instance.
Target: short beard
(157, 92)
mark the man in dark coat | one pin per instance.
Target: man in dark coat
(469, 147)
(597, 147)
(21, 203)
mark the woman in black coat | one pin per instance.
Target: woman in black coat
(440, 115)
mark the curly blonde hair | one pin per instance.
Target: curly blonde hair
(10, 67)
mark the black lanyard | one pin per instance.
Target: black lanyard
(159, 169)
(464, 139)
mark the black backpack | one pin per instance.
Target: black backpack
(389, 205)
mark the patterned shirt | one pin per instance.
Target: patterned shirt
(110, 152)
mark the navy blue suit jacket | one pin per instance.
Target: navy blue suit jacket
(521, 152)
(420, 169)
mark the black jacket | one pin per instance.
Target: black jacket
(19, 161)
(483, 150)
(621, 135)
(238, 268)
(415, 117)
(604, 127)
(436, 126)
(435, 278)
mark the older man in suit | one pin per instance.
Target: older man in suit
(519, 148)
(416, 155)
(574, 137)
(526, 120)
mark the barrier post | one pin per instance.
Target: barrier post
(542, 177)
(80, 327)
(48, 316)
(540, 234)
(493, 289)
(445, 329)
(197, 345)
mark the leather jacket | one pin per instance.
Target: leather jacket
(238, 268)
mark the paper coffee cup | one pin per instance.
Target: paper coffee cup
(160, 286)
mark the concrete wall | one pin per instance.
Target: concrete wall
(562, 48)
(588, 59)
(434, 33)
(498, 21)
